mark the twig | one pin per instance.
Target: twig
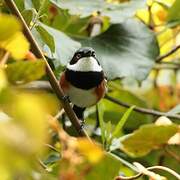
(52, 79)
(159, 67)
(151, 20)
(59, 114)
(51, 147)
(4, 58)
(150, 168)
(142, 110)
(160, 58)
(43, 165)
(165, 169)
(38, 14)
(172, 154)
(129, 178)
(170, 63)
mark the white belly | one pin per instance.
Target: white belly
(81, 97)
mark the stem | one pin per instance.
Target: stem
(151, 20)
(172, 154)
(51, 147)
(150, 168)
(129, 178)
(165, 169)
(140, 109)
(52, 79)
(4, 58)
(38, 14)
(160, 58)
(43, 165)
(166, 66)
(170, 63)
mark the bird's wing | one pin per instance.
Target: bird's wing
(101, 89)
(64, 83)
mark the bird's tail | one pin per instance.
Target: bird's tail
(79, 111)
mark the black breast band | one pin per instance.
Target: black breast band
(84, 80)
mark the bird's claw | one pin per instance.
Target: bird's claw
(81, 126)
(65, 98)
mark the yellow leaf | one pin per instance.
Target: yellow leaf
(29, 112)
(9, 25)
(17, 45)
(3, 80)
(91, 150)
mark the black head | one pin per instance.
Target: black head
(83, 52)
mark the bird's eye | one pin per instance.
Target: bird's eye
(78, 56)
(93, 54)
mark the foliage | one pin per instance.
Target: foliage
(134, 41)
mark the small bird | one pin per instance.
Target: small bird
(83, 81)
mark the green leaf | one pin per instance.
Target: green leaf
(127, 49)
(118, 128)
(28, 15)
(174, 12)
(20, 4)
(25, 71)
(116, 12)
(69, 24)
(64, 45)
(46, 37)
(52, 158)
(108, 164)
(147, 138)
(101, 122)
(113, 111)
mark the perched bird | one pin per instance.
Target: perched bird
(83, 81)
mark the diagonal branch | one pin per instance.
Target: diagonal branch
(160, 58)
(52, 79)
(142, 110)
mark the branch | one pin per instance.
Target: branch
(140, 109)
(160, 58)
(52, 79)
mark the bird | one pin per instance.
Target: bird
(83, 81)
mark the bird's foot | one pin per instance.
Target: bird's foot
(65, 98)
(81, 125)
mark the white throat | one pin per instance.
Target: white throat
(85, 64)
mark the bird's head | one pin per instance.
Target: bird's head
(84, 60)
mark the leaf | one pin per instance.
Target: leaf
(118, 128)
(6, 30)
(17, 45)
(113, 111)
(117, 12)
(106, 169)
(147, 138)
(12, 39)
(64, 45)
(174, 12)
(28, 15)
(101, 122)
(52, 158)
(3, 80)
(20, 148)
(25, 71)
(175, 110)
(90, 150)
(127, 49)
(46, 37)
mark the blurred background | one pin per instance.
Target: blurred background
(137, 43)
